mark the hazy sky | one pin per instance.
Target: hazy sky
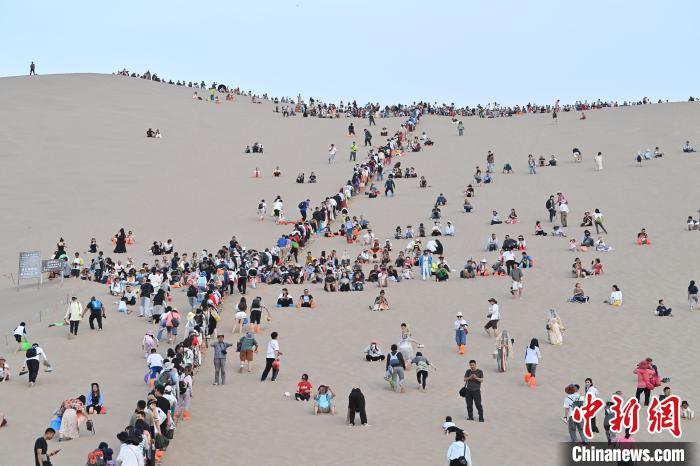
(462, 51)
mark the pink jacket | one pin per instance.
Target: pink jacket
(644, 375)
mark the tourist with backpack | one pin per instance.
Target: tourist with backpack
(31, 363)
(97, 312)
(458, 454)
(172, 322)
(395, 367)
(573, 400)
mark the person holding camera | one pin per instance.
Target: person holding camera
(220, 350)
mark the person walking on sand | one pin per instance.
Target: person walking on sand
(459, 454)
(563, 213)
(598, 222)
(422, 366)
(97, 312)
(532, 359)
(494, 316)
(272, 358)
(248, 346)
(395, 367)
(220, 349)
(74, 315)
(461, 331)
(20, 334)
(42, 455)
(692, 295)
(517, 285)
(551, 206)
(473, 379)
(331, 153)
(368, 138)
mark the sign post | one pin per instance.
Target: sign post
(29, 266)
(52, 266)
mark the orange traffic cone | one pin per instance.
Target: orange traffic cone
(533, 382)
(527, 377)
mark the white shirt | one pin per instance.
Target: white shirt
(332, 151)
(272, 346)
(532, 356)
(154, 360)
(592, 390)
(615, 296)
(458, 449)
(459, 323)
(564, 207)
(508, 256)
(19, 330)
(494, 312)
(130, 455)
(569, 402)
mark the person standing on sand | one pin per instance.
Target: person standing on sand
(473, 379)
(563, 213)
(74, 315)
(551, 206)
(146, 290)
(598, 160)
(598, 222)
(351, 130)
(368, 138)
(32, 69)
(692, 295)
(97, 312)
(371, 119)
(220, 349)
(389, 186)
(517, 285)
(331, 153)
(461, 333)
(248, 346)
(353, 151)
(531, 164)
(120, 242)
(272, 358)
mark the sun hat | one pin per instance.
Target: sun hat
(459, 314)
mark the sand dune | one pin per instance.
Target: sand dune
(77, 164)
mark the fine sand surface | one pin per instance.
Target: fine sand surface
(76, 164)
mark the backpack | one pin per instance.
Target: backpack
(255, 304)
(31, 353)
(578, 403)
(394, 360)
(462, 460)
(182, 386)
(96, 305)
(96, 458)
(164, 378)
(175, 322)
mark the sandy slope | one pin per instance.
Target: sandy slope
(77, 165)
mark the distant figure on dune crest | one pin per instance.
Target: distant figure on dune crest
(32, 69)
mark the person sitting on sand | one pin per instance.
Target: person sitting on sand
(437, 229)
(512, 217)
(657, 152)
(692, 223)
(492, 243)
(687, 148)
(284, 300)
(449, 229)
(587, 219)
(312, 177)
(539, 231)
(578, 270)
(542, 161)
(300, 178)
(557, 231)
(380, 302)
(330, 282)
(597, 267)
(322, 400)
(600, 245)
(662, 310)
(157, 134)
(306, 300)
(150, 133)
(643, 238)
(553, 161)
(615, 297)
(467, 207)
(469, 192)
(495, 220)
(574, 247)
(579, 296)
(507, 168)
(277, 172)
